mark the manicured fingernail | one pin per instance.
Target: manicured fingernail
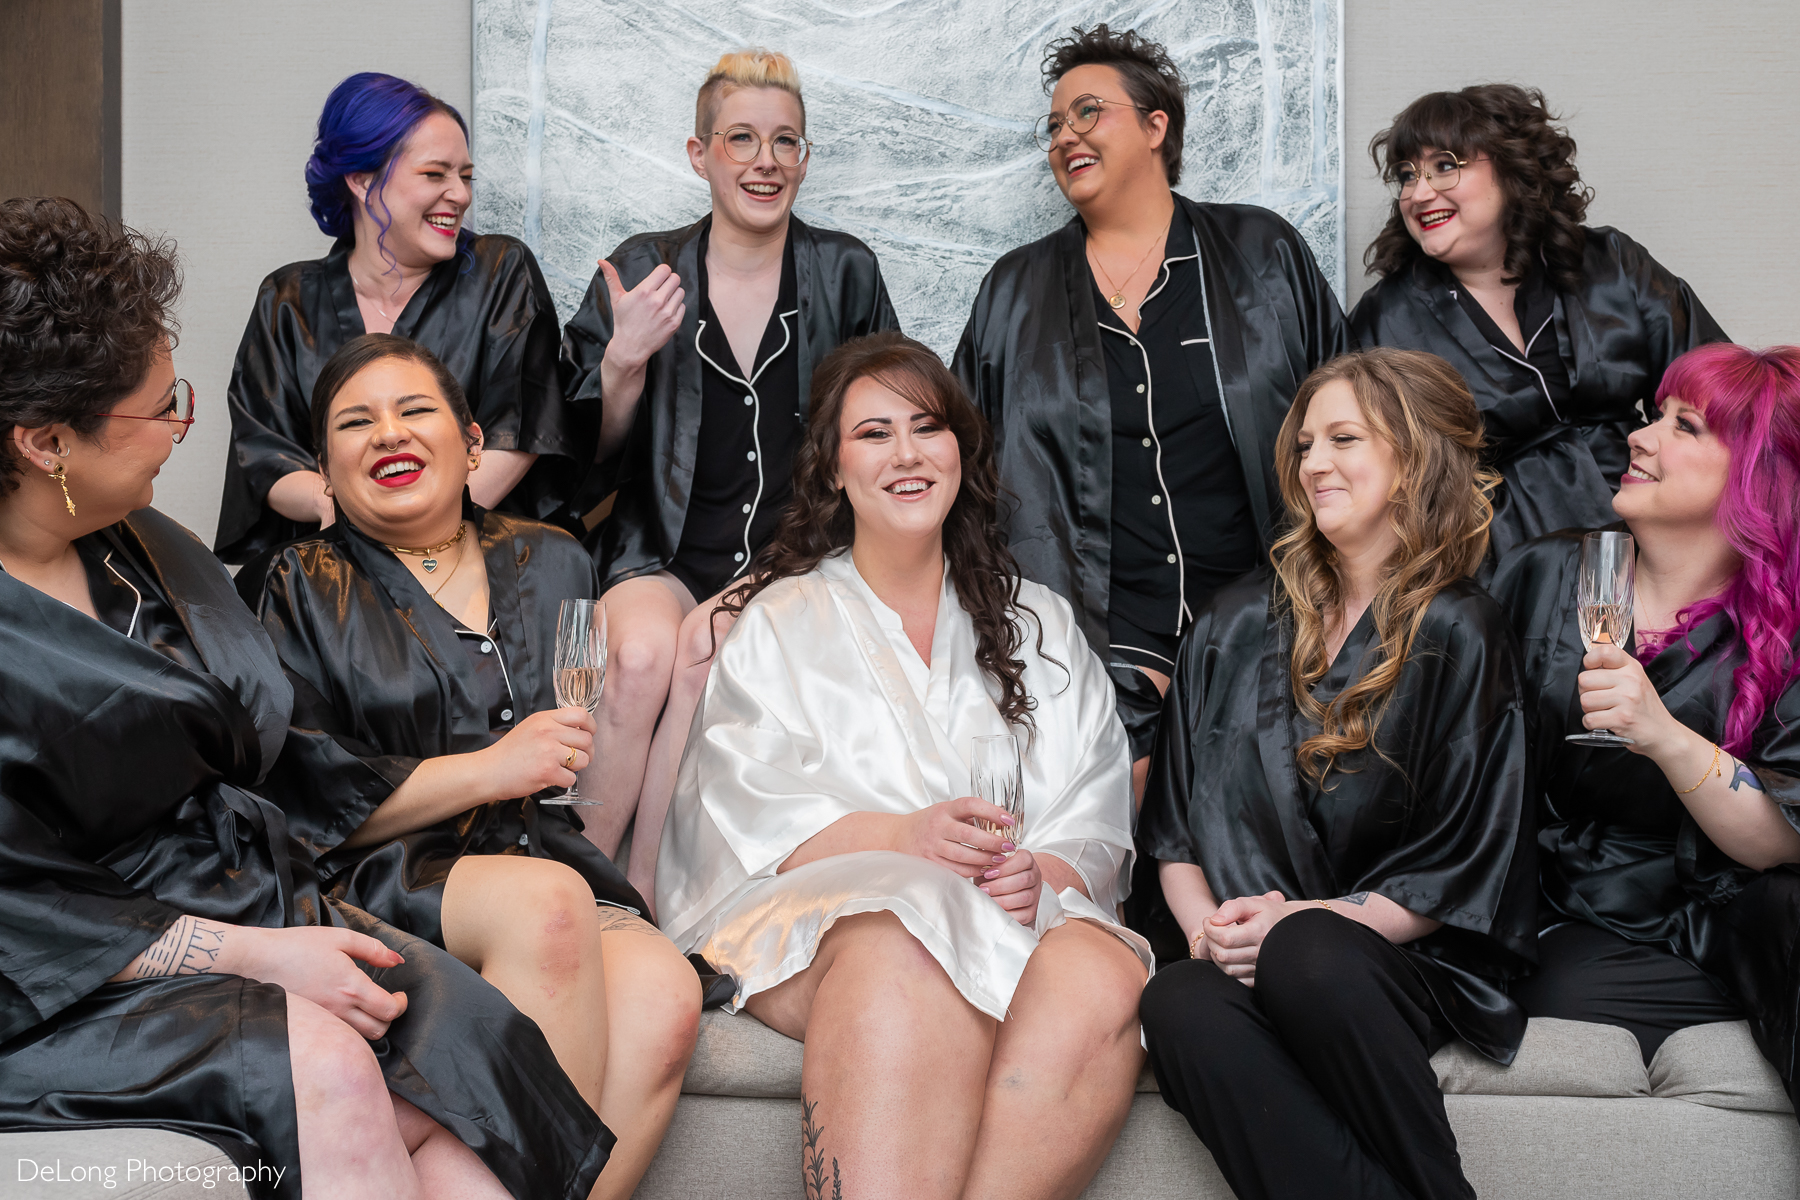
(995, 874)
(985, 890)
(999, 858)
(1008, 847)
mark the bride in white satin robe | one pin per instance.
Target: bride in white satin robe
(968, 1006)
(818, 706)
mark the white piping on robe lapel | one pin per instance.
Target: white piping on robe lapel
(787, 337)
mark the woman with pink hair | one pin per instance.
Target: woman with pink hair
(1668, 865)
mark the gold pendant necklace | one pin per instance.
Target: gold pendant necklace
(431, 563)
(1117, 299)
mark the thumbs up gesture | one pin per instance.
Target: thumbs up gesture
(644, 318)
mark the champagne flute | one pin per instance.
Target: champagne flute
(580, 668)
(998, 779)
(1604, 598)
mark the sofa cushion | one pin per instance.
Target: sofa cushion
(1718, 1065)
(1557, 1058)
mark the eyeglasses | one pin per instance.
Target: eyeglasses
(1080, 117)
(744, 145)
(1443, 174)
(181, 397)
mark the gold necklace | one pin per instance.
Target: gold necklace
(1117, 299)
(452, 575)
(431, 563)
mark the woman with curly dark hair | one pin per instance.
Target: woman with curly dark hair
(1560, 330)
(168, 957)
(1337, 808)
(822, 839)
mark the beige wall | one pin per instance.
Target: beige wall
(1684, 113)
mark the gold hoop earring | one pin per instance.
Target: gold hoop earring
(61, 476)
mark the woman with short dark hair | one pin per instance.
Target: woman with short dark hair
(390, 179)
(169, 959)
(1670, 889)
(1136, 365)
(1561, 330)
(1338, 807)
(968, 1004)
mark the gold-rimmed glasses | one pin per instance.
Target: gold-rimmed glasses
(743, 145)
(1080, 117)
(181, 398)
(1442, 171)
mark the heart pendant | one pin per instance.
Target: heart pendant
(1117, 300)
(430, 565)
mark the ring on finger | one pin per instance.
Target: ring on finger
(569, 762)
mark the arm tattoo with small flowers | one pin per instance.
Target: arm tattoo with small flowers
(188, 947)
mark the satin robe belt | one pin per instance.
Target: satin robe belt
(236, 823)
(983, 950)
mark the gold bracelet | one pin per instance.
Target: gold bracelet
(1711, 770)
(1327, 905)
(1198, 937)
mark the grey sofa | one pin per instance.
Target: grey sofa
(1577, 1117)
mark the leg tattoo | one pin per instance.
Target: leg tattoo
(812, 1157)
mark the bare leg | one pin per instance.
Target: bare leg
(643, 619)
(447, 1169)
(652, 1018)
(527, 924)
(693, 660)
(1064, 1068)
(896, 1064)
(354, 1140)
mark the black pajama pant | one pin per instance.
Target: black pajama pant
(1317, 1082)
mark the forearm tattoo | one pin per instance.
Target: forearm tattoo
(812, 1156)
(188, 947)
(1357, 898)
(1745, 777)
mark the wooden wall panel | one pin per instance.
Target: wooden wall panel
(59, 93)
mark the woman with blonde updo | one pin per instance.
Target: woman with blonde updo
(699, 345)
(1338, 806)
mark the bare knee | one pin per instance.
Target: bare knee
(333, 1069)
(551, 924)
(1094, 975)
(639, 665)
(654, 998)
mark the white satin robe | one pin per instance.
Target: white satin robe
(818, 706)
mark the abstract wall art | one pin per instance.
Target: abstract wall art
(920, 112)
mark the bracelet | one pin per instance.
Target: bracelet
(1327, 905)
(1711, 770)
(1198, 937)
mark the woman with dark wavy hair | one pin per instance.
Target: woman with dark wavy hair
(1337, 806)
(390, 179)
(1670, 886)
(1561, 331)
(822, 840)
(168, 957)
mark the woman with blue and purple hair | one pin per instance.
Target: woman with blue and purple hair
(390, 179)
(1668, 866)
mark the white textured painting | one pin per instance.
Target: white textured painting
(920, 112)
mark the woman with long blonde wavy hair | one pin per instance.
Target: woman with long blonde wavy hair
(1337, 806)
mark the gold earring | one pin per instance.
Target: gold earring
(61, 476)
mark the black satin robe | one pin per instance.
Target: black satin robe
(1438, 822)
(1032, 361)
(1617, 335)
(124, 803)
(1617, 846)
(842, 296)
(381, 683)
(490, 320)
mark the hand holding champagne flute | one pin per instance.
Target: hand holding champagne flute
(1606, 600)
(580, 668)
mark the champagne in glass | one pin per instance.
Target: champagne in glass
(1605, 601)
(580, 668)
(997, 777)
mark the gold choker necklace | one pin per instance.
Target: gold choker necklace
(431, 563)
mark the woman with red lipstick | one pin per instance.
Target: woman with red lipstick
(168, 958)
(1136, 365)
(1561, 330)
(701, 408)
(968, 1008)
(418, 632)
(390, 179)
(1670, 891)
(1339, 807)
